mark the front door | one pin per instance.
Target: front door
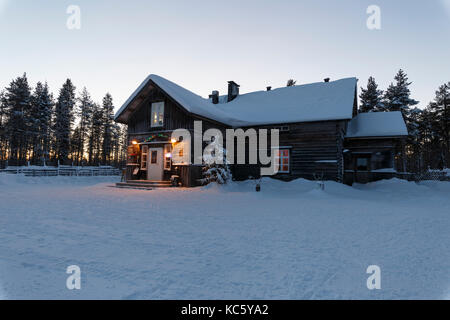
(155, 164)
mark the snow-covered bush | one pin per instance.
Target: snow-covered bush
(216, 167)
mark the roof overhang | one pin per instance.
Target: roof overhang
(133, 102)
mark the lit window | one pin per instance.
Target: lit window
(167, 157)
(144, 157)
(157, 114)
(282, 161)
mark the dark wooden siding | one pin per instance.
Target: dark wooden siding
(383, 153)
(309, 143)
(174, 116)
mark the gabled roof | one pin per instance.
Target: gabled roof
(190, 101)
(303, 103)
(377, 124)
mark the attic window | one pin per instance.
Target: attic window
(157, 114)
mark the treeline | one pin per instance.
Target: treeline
(428, 145)
(73, 129)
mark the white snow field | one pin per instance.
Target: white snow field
(290, 241)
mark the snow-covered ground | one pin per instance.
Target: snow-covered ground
(290, 241)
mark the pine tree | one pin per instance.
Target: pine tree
(74, 146)
(95, 134)
(108, 122)
(3, 140)
(42, 109)
(371, 98)
(84, 112)
(414, 145)
(17, 100)
(63, 121)
(397, 96)
(440, 118)
(427, 140)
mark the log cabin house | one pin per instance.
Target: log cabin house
(321, 133)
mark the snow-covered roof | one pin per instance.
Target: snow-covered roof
(377, 124)
(303, 103)
(310, 102)
(190, 101)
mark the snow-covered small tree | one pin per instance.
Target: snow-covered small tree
(216, 167)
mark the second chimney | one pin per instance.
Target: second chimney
(233, 90)
(326, 79)
(214, 97)
(269, 88)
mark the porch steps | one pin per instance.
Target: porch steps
(143, 184)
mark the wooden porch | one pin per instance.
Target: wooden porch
(144, 184)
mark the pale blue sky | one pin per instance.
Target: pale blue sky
(202, 44)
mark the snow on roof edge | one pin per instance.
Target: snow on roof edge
(131, 98)
(377, 124)
(198, 105)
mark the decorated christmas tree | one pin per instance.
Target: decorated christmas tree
(216, 168)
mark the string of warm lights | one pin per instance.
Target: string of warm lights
(159, 135)
(149, 139)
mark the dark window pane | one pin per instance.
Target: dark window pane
(154, 157)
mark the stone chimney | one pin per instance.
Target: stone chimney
(214, 96)
(233, 90)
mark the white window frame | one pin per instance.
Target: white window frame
(144, 157)
(167, 160)
(157, 114)
(279, 161)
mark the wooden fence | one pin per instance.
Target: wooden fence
(63, 171)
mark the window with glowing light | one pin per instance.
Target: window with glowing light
(144, 157)
(168, 157)
(282, 159)
(157, 114)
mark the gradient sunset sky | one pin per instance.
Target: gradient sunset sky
(203, 44)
